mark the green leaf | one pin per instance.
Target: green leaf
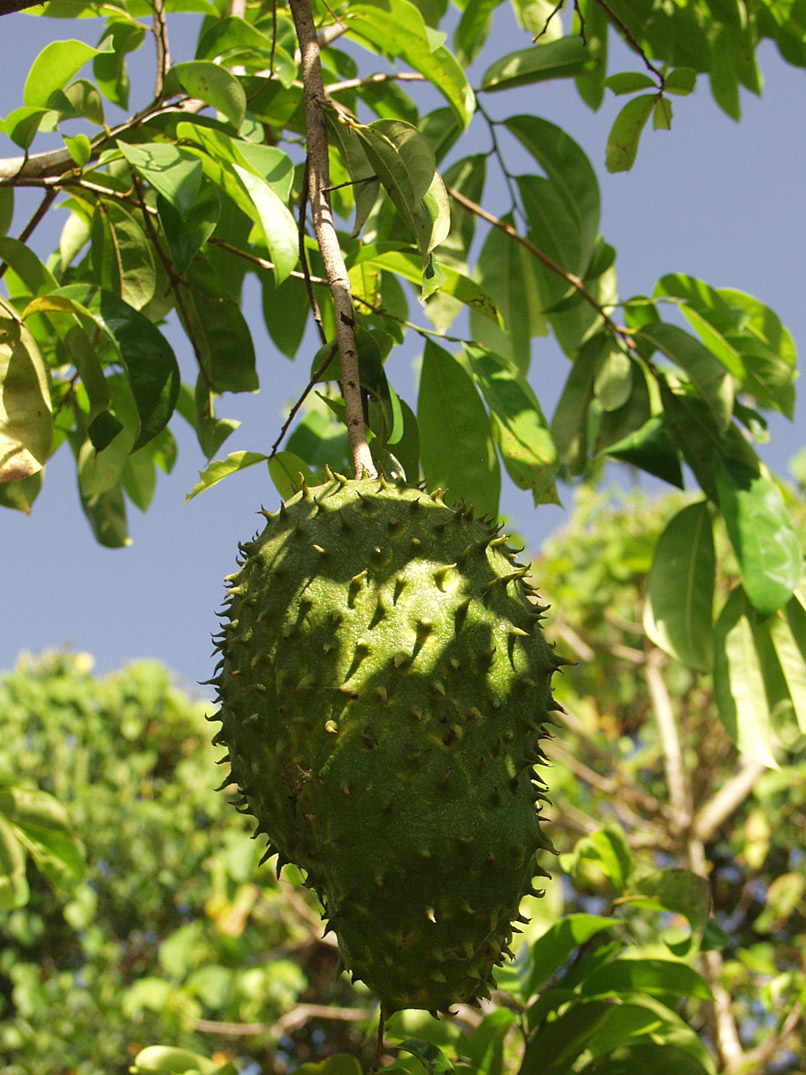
(167, 1060)
(222, 468)
(43, 827)
(519, 427)
(650, 448)
(679, 891)
(625, 134)
(152, 371)
(569, 426)
(707, 373)
(629, 82)
(471, 32)
(79, 148)
(173, 172)
(14, 891)
(558, 1043)
(215, 86)
(53, 68)
(739, 681)
(36, 277)
(550, 951)
(285, 311)
(433, 1059)
(122, 256)
(26, 420)
(219, 331)
(455, 284)
(678, 611)
(570, 172)
(505, 270)
(276, 221)
(565, 58)
(661, 977)
(365, 183)
(6, 209)
(787, 628)
(765, 543)
(106, 514)
(456, 447)
(186, 237)
(662, 115)
(109, 66)
(681, 81)
(397, 29)
(287, 472)
(405, 165)
(86, 101)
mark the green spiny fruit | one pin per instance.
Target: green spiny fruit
(384, 683)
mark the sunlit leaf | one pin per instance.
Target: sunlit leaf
(762, 536)
(214, 85)
(222, 468)
(172, 171)
(26, 421)
(565, 58)
(53, 68)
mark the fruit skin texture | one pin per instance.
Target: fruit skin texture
(384, 684)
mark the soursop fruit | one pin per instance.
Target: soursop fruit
(384, 685)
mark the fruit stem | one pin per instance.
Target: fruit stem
(379, 1046)
(326, 236)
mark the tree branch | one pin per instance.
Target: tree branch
(163, 52)
(335, 269)
(729, 797)
(551, 265)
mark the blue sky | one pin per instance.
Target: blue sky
(711, 198)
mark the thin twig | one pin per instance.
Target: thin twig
(631, 41)
(315, 377)
(286, 1024)
(327, 237)
(676, 776)
(371, 80)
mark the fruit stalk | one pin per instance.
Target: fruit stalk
(324, 227)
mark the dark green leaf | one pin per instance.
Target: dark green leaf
(553, 1050)
(433, 1059)
(285, 311)
(456, 447)
(122, 256)
(650, 449)
(679, 891)
(106, 514)
(6, 209)
(404, 445)
(625, 134)
(551, 951)
(569, 426)
(707, 373)
(151, 367)
(86, 101)
(185, 238)
(471, 32)
(678, 611)
(765, 543)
